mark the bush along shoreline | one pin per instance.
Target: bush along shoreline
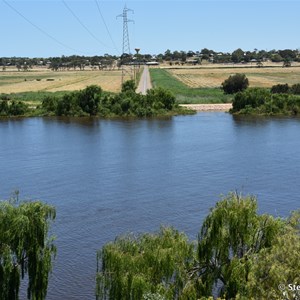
(281, 99)
(92, 101)
(260, 101)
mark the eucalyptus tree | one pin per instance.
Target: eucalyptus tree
(25, 248)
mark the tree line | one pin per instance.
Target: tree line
(92, 101)
(237, 56)
(108, 61)
(73, 62)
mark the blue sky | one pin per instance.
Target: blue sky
(49, 28)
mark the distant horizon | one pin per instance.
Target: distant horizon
(153, 54)
(52, 28)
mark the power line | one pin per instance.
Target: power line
(126, 56)
(103, 20)
(39, 28)
(126, 45)
(80, 22)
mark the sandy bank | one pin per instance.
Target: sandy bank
(209, 107)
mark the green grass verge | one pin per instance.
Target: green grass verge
(185, 94)
(32, 96)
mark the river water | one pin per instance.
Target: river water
(108, 177)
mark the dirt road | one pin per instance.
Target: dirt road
(145, 82)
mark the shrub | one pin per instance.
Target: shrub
(159, 95)
(17, 108)
(4, 97)
(235, 83)
(49, 103)
(89, 99)
(295, 89)
(251, 98)
(128, 85)
(68, 106)
(4, 108)
(280, 89)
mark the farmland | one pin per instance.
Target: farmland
(212, 77)
(45, 80)
(186, 94)
(190, 84)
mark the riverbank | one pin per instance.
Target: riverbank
(209, 107)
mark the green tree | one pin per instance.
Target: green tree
(89, 99)
(235, 83)
(167, 55)
(245, 253)
(163, 98)
(149, 266)
(206, 53)
(4, 108)
(295, 89)
(287, 63)
(237, 55)
(280, 89)
(69, 106)
(128, 85)
(276, 266)
(276, 58)
(252, 97)
(17, 108)
(287, 54)
(25, 248)
(49, 103)
(231, 234)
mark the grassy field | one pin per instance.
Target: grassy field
(258, 77)
(184, 93)
(199, 84)
(45, 80)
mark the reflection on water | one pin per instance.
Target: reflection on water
(107, 177)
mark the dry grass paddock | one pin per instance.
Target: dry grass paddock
(207, 77)
(13, 81)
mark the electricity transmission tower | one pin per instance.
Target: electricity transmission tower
(126, 55)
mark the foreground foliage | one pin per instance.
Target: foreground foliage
(230, 236)
(239, 254)
(25, 248)
(149, 262)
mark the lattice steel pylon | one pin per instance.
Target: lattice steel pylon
(126, 58)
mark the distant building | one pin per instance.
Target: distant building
(192, 61)
(152, 63)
